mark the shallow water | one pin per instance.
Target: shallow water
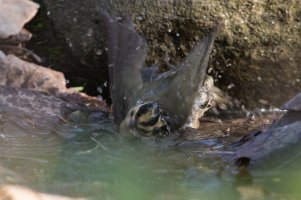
(99, 165)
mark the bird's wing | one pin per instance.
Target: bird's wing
(126, 57)
(177, 91)
(150, 74)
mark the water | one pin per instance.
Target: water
(99, 165)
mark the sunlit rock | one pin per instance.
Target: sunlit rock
(21, 193)
(14, 14)
(18, 73)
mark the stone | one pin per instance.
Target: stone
(12, 192)
(14, 14)
(15, 72)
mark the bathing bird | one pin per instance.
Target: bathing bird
(145, 101)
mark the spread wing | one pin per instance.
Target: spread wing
(176, 90)
(126, 57)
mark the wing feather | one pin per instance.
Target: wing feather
(177, 91)
(126, 56)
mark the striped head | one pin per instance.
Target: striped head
(147, 119)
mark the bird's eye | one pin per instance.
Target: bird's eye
(206, 104)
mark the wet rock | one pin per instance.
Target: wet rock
(257, 51)
(41, 113)
(32, 109)
(14, 14)
(294, 104)
(278, 145)
(20, 193)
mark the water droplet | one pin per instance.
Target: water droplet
(169, 30)
(99, 97)
(70, 44)
(252, 117)
(2, 55)
(99, 89)
(262, 110)
(48, 13)
(230, 86)
(210, 70)
(105, 84)
(177, 34)
(179, 95)
(140, 17)
(264, 102)
(89, 32)
(98, 52)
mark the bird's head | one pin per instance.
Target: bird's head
(147, 119)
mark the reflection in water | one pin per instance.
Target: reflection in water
(84, 160)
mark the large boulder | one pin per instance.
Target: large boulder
(256, 53)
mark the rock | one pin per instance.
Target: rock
(293, 104)
(278, 144)
(50, 102)
(33, 109)
(14, 14)
(26, 117)
(20, 193)
(18, 73)
(257, 51)
(23, 36)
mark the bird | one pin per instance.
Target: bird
(146, 102)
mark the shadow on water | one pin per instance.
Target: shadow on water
(97, 164)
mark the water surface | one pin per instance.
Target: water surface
(100, 165)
